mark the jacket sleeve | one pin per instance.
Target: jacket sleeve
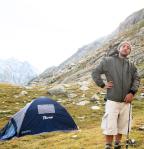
(96, 74)
(135, 81)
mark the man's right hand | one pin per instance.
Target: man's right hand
(109, 85)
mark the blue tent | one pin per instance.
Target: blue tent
(41, 115)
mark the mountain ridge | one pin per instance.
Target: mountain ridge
(16, 72)
(80, 64)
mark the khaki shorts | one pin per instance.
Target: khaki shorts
(116, 118)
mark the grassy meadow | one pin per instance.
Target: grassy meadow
(89, 135)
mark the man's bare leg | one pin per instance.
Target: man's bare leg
(108, 140)
(118, 138)
(117, 144)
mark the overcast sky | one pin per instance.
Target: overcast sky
(47, 32)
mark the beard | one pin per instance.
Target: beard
(123, 55)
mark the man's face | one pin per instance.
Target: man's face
(125, 50)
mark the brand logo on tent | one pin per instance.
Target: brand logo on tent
(26, 131)
(47, 117)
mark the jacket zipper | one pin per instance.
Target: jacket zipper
(122, 78)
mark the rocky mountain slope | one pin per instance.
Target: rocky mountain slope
(16, 72)
(79, 66)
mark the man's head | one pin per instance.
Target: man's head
(124, 49)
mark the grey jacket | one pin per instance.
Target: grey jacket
(122, 72)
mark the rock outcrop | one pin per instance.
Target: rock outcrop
(79, 66)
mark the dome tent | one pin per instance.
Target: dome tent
(41, 115)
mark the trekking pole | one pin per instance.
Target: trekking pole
(127, 137)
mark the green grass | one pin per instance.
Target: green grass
(89, 135)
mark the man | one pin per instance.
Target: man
(122, 84)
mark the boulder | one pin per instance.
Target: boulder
(95, 97)
(83, 103)
(95, 107)
(141, 128)
(57, 90)
(71, 95)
